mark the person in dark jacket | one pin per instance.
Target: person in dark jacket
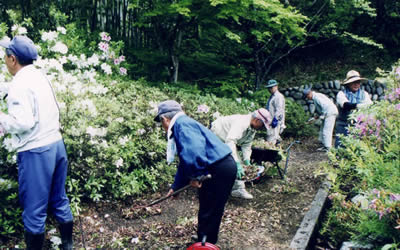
(350, 98)
(200, 153)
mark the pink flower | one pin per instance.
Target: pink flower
(104, 46)
(397, 106)
(203, 108)
(117, 61)
(122, 58)
(105, 36)
(394, 197)
(123, 71)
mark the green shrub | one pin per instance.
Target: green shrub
(365, 174)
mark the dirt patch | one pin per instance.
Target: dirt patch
(269, 221)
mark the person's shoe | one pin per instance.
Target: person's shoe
(34, 241)
(323, 149)
(242, 193)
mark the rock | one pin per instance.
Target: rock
(311, 107)
(290, 99)
(337, 84)
(379, 90)
(349, 245)
(298, 96)
(305, 107)
(286, 93)
(317, 86)
(301, 102)
(368, 89)
(374, 97)
(331, 86)
(326, 85)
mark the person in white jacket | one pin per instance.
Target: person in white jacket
(328, 112)
(32, 121)
(239, 130)
(350, 98)
(276, 106)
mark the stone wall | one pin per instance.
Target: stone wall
(375, 89)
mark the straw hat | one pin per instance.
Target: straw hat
(353, 76)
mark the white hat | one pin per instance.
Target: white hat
(352, 76)
(264, 116)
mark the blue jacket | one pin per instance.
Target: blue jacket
(197, 147)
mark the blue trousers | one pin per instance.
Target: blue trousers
(41, 175)
(341, 129)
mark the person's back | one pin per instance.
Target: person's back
(233, 128)
(324, 104)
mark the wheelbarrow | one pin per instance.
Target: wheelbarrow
(260, 155)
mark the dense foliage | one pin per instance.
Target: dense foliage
(365, 174)
(218, 44)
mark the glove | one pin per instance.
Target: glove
(349, 106)
(274, 122)
(240, 171)
(246, 162)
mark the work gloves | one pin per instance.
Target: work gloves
(240, 171)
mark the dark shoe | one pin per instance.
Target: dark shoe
(34, 241)
(66, 235)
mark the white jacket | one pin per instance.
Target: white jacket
(33, 114)
(324, 105)
(235, 130)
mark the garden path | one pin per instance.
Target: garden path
(269, 221)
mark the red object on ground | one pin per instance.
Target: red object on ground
(203, 246)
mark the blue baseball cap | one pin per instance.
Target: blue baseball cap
(167, 106)
(306, 91)
(271, 83)
(22, 47)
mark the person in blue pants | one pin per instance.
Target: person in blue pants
(200, 153)
(32, 121)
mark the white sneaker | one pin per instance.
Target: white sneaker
(242, 193)
(323, 149)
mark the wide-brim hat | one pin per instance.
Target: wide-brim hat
(265, 116)
(353, 76)
(167, 106)
(271, 83)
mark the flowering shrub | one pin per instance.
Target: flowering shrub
(115, 149)
(365, 174)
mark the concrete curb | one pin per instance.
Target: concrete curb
(307, 227)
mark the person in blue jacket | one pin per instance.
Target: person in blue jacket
(200, 153)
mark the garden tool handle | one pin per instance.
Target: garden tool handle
(200, 179)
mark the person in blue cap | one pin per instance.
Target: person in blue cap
(276, 107)
(327, 111)
(200, 153)
(33, 123)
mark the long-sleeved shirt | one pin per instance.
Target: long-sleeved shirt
(235, 130)
(198, 148)
(276, 106)
(361, 98)
(324, 105)
(33, 115)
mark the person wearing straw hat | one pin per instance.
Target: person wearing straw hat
(349, 99)
(276, 106)
(33, 123)
(200, 153)
(327, 111)
(239, 130)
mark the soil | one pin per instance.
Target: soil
(269, 221)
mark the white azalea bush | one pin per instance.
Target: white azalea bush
(115, 148)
